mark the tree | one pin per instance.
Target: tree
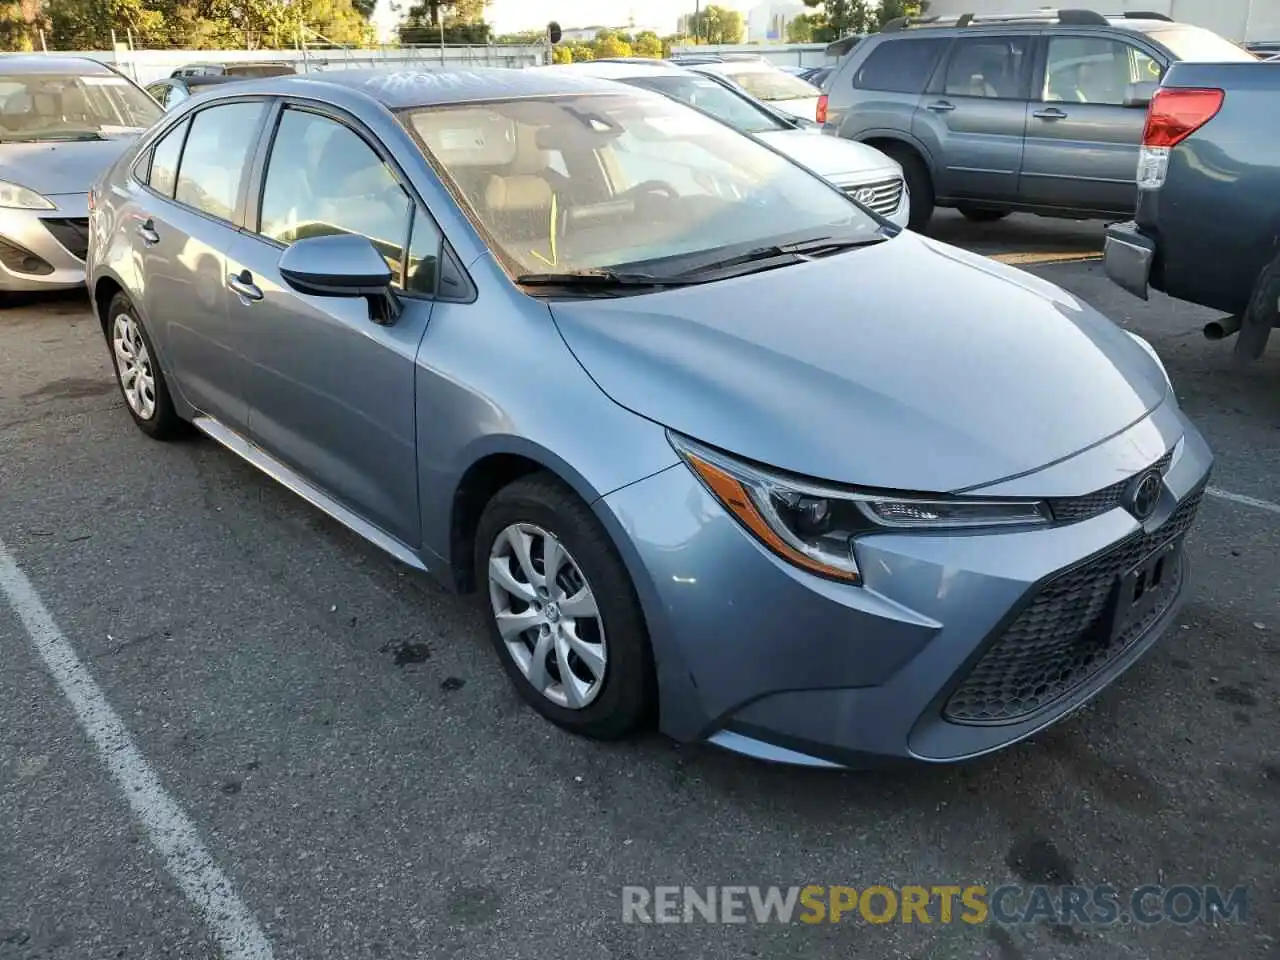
(892, 9)
(561, 54)
(610, 44)
(88, 24)
(581, 52)
(840, 18)
(460, 21)
(20, 21)
(647, 44)
(715, 24)
(801, 28)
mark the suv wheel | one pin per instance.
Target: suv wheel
(981, 214)
(919, 182)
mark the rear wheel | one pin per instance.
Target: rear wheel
(142, 382)
(982, 214)
(562, 612)
(919, 183)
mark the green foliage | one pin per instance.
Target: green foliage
(801, 28)
(457, 21)
(840, 18)
(648, 44)
(20, 23)
(561, 54)
(715, 24)
(609, 43)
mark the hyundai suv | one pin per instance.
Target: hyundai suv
(1041, 112)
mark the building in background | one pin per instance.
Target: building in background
(767, 22)
(1239, 20)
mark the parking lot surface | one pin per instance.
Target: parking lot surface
(351, 760)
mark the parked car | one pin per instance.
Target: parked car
(172, 91)
(1209, 200)
(766, 82)
(63, 121)
(466, 315)
(862, 172)
(1042, 112)
(816, 75)
(247, 68)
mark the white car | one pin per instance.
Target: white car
(766, 82)
(872, 178)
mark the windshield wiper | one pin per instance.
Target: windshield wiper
(799, 250)
(598, 279)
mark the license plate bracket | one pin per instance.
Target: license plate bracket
(1146, 586)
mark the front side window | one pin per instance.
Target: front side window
(773, 85)
(990, 67)
(324, 179)
(901, 65)
(50, 107)
(1095, 70)
(164, 160)
(216, 156)
(679, 186)
(713, 98)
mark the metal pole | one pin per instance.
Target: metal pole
(43, 46)
(442, 41)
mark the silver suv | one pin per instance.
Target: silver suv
(1040, 112)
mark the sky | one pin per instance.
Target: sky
(508, 16)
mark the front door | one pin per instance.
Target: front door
(331, 391)
(976, 114)
(1082, 142)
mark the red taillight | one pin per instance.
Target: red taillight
(1177, 113)
(822, 109)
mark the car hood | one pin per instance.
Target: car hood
(908, 365)
(830, 156)
(806, 107)
(54, 168)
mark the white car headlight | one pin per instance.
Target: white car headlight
(814, 525)
(20, 198)
(1151, 352)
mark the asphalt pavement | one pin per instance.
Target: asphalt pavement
(338, 763)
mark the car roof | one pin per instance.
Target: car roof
(1133, 22)
(50, 63)
(397, 89)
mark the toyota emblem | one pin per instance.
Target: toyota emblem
(1145, 494)
(865, 195)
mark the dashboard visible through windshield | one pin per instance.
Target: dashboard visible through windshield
(37, 107)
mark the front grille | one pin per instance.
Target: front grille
(882, 196)
(71, 232)
(1073, 509)
(1063, 637)
(21, 260)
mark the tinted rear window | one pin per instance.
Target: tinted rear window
(900, 66)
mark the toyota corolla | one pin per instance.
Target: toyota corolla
(714, 446)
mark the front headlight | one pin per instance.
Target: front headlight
(1151, 352)
(20, 198)
(814, 525)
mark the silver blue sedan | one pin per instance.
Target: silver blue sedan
(714, 446)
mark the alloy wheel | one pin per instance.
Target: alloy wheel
(547, 615)
(133, 364)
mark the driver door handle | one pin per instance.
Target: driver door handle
(147, 231)
(941, 106)
(242, 284)
(1051, 113)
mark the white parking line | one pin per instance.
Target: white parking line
(170, 829)
(1241, 499)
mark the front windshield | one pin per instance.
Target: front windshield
(602, 181)
(773, 85)
(716, 99)
(45, 106)
(1198, 45)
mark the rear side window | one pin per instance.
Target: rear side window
(991, 67)
(164, 160)
(214, 160)
(900, 66)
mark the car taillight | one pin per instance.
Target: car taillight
(822, 109)
(1174, 114)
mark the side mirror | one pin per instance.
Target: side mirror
(341, 265)
(1141, 93)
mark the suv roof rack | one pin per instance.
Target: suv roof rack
(1080, 18)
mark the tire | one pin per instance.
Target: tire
(919, 184)
(133, 352)
(982, 214)
(623, 699)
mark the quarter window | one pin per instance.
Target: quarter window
(1095, 70)
(164, 160)
(215, 157)
(900, 66)
(324, 179)
(990, 67)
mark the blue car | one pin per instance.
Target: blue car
(714, 446)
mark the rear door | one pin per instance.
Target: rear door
(880, 95)
(182, 230)
(1082, 142)
(975, 112)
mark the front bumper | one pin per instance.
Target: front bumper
(44, 249)
(1127, 257)
(759, 657)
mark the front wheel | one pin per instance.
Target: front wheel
(562, 612)
(919, 184)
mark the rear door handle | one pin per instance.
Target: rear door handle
(1052, 113)
(242, 284)
(147, 231)
(941, 106)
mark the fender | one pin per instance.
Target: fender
(902, 137)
